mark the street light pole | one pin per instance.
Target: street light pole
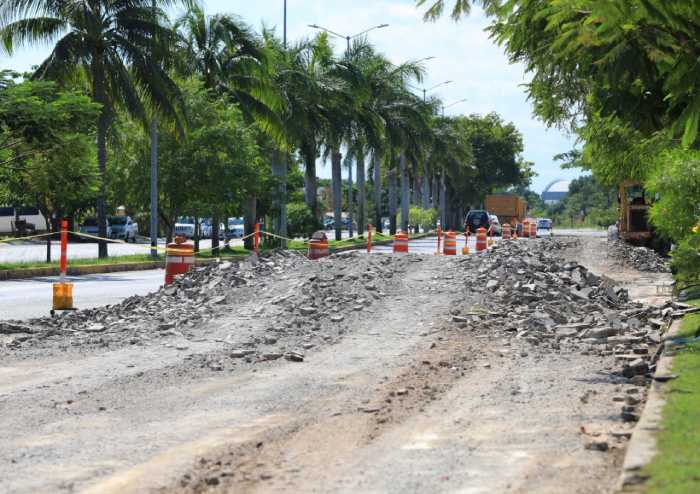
(285, 24)
(154, 177)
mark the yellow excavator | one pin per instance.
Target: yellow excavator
(634, 214)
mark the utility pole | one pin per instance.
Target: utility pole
(154, 175)
(284, 39)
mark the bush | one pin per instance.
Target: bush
(685, 259)
(300, 221)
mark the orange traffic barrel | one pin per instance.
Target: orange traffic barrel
(318, 245)
(505, 234)
(533, 229)
(481, 239)
(401, 242)
(450, 246)
(179, 259)
(526, 228)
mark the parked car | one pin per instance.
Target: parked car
(495, 224)
(205, 228)
(123, 228)
(184, 227)
(476, 218)
(328, 224)
(90, 227)
(544, 227)
(236, 227)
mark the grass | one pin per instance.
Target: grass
(676, 468)
(232, 252)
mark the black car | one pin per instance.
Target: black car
(476, 218)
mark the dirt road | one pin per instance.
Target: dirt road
(393, 393)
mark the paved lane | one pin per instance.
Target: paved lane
(22, 299)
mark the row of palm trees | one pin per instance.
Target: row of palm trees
(309, 102)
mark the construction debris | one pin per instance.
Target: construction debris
(641, 258)
(533, 296)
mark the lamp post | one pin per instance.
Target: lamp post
(285, 25)
(427, 90)
(452, 104)
(347, 39)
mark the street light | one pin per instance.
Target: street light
(452, 104)
(346, 37)
(426, 90)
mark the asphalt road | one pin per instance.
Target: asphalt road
(36, 252)
(23, 299)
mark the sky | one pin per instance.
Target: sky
(463, 54)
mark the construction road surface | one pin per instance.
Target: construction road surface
(396, 374)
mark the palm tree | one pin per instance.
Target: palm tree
(116, 44)
(303, 78)
(231, 60)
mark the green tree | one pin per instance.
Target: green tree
(115, 44)
(47, 137)
(231, 60)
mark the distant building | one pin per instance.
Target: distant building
(556, 191)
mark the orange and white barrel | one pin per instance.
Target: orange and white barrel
(318, 249)
(450, 245)
(526, 228)
(318, 245)
(506, 231)
(481, 239)
(533, 229)
(179, 259)
(401, 242)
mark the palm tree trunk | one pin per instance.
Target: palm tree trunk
(443, 194)
(350, 200)
(425, 191)
(197, 233)
(250, 218)
(392, 201)
(337, 178)
(99, 96)
(377, 193)
(279, 171)
(416, 190)
(404, 193)
(310, 179)
(434, 193)
(215, 232)
(361, 195)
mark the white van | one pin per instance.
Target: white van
(29, 214)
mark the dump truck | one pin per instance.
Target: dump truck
(633, 223)
(508, 207)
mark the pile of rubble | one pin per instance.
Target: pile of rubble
(528, 294)
(278, 305)
(192, 299)
(641, 258)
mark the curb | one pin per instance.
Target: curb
(24, 273)
(642, 446)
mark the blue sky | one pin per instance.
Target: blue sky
(463, 51)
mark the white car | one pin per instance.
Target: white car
(184, 227)
(544, 227)
(123, 228)
(235, 227)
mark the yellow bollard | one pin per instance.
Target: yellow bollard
(62, 296)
